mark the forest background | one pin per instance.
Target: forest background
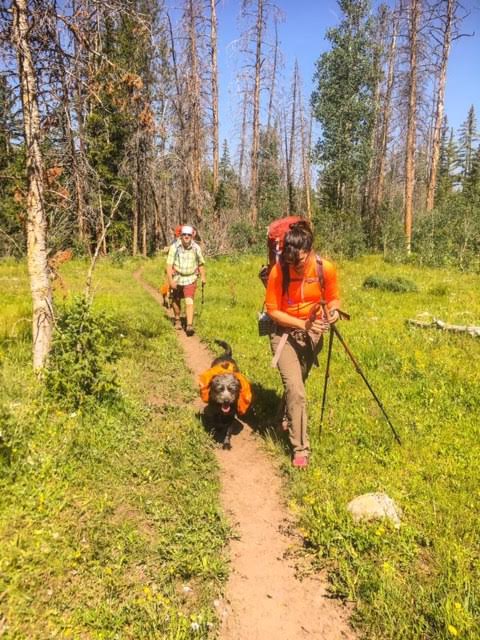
(113, 122)
(110, 133)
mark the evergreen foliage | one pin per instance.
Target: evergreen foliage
(397, 284)
(343, 105)
(271, 194)
(84, 346)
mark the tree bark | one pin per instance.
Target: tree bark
(243, 143)
(195, 128)
(293, 135)
(305, 134)
(440, 104)
(36, 215)
(415, 7)
(214, 72)
(274, 77)
(256, 116)
(386, 115)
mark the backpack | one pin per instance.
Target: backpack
(275, 238)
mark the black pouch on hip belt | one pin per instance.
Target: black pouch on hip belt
(266, 325)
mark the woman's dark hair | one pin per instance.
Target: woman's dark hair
(298, 238)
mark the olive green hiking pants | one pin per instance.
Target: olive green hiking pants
(294, 364)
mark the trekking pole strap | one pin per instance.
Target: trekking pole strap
(279, 349)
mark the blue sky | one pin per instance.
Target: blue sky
(302, 36)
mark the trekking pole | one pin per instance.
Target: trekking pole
(327, 375)
(359, 370)
(203, 292)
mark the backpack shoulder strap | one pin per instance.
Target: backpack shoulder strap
(321, 278)
(196, 248)
(285, 276)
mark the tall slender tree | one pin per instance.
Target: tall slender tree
(42, 321)
(343, 105)
(447, 22)
(410, 147)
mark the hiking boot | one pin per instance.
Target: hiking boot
(299, 461)
(189, 330)
(177, 323)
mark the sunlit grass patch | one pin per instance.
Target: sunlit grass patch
(405, 582)
(110, 524)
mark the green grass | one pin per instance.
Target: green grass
(423, 580)
(106, 514)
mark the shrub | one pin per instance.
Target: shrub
(339, 233)
(398, 285)
(245, 237)
(84, 346)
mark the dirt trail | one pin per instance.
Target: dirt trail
(263, 599)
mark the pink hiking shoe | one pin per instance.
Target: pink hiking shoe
(300, 462)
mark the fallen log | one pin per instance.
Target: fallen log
(444, 326)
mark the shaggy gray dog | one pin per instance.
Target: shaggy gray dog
(223, 396)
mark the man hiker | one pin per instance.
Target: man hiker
(185, 263)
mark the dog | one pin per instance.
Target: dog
(226, 393)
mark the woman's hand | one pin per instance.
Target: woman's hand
(322, 324)
(318, 325)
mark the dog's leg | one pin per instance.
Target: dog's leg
(228, 436)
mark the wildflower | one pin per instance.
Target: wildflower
(452, 630)
(195, 626)
(148, 592)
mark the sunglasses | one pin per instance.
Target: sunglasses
(187, 235)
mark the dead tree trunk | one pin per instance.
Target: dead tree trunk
(369, 213)
(440, 103)
(36, 215)
(293, 135)
(195, 126)
(78, 157)
(214, 73)
(274, 77)
(243, 143)
(256, 116)
(414, 19)
(305, 134)
(386, 115)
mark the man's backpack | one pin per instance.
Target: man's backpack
(275, 240)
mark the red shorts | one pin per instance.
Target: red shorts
(185, 291)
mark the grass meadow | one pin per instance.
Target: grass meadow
(422, 581)
(109, 518)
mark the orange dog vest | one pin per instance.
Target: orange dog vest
(245, 397)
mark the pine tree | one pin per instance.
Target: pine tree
(226, 196)
(271, 194)
(449, 164)
(469, 135)
(343, 104)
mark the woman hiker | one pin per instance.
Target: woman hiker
(302, 299)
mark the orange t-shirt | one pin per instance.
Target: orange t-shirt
(303, 290)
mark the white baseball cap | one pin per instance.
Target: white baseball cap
(187, 229)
